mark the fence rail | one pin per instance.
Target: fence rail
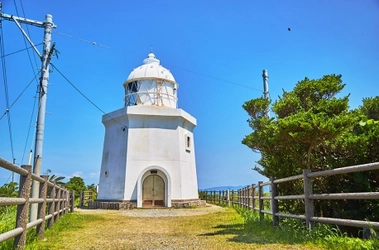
(249, 196)
(53, 202)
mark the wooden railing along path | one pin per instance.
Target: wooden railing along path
(249, 196)
(53, 202)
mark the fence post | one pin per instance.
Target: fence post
(248, 197)
(72, 200)
(309, 209)
(240, 201)
(228, 196)
(274, 203)
(232, 198)
(66, 198)
(240, 197)
(244, 197)
(23, 209)
(253, 197)
(81, 199)
(260, 195)
(42, 208)
(219, 197)
(58, 204)
(52, 206)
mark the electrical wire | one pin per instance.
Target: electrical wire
(27, 31)
(30, 126)
(6, 90)
(82, 94)
(35, 66)
(12, 53)
(188, 70)
(18, 97)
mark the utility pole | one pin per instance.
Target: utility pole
(47, 53)
(265, 90)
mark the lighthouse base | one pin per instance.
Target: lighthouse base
(125, 205)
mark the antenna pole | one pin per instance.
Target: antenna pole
(265, 89)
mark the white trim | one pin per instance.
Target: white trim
(166, 178)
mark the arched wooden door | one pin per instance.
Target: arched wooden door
(153, 191)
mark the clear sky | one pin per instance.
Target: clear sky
(216, 51)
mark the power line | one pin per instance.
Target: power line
(82, 94)
(6, 90)
(188, 70)
(30, 124)
(27, 29)
(18, 97)
(18, 51)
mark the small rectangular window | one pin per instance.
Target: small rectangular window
(188, 143)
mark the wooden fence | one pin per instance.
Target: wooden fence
(85, 198)
(253, 197)
(53, 202)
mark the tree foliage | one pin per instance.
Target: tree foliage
(9, 190)
(76, 184)
(313, 128)
(55, 178)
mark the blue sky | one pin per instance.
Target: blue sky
(216, 51)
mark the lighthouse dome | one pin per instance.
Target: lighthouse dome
(151, 68)
(151, 85)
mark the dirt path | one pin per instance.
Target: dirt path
(196, 228)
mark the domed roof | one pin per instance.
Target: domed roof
(151, 68)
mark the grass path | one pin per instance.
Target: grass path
(220, 229)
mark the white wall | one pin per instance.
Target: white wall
(154, 137)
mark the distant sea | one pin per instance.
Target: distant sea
(223, 188)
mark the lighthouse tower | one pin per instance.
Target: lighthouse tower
(148, 154)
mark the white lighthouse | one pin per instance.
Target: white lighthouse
(148, 154)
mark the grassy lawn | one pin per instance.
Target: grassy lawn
(223, 229)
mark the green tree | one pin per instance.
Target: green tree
(55, 178)
(314, 128)
(306, 119)
(76, 184)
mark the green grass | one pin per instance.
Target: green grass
(7, 223)
(292, 231)
(230, 229)
(70, 222)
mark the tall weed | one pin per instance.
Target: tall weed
(294, 231)
(7, 223)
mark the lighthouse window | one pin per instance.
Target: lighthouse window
(188, 143)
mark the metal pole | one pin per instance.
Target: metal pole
(46, 55)
(265, 89)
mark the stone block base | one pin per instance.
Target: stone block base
(123, 205)
(114, 205)
(188, 203)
